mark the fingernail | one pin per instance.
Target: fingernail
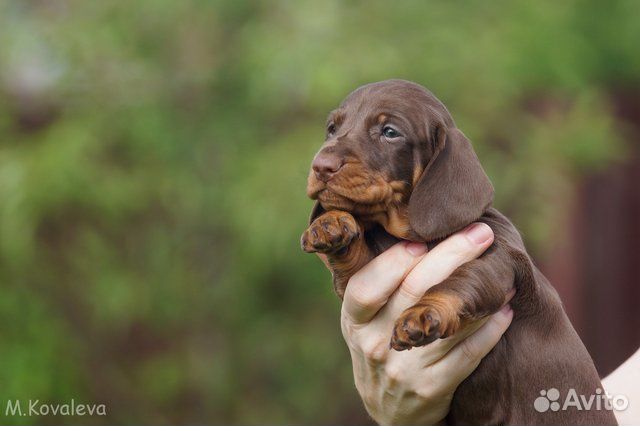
(479, 233)
(416, 249)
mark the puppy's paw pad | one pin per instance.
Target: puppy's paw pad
(330, 233)
(419, 326)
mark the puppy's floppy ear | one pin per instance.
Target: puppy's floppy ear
(453, 190)
(316, 211)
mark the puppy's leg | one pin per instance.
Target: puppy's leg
(338, 235)
(475, 290)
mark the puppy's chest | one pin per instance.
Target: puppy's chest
(395, 220)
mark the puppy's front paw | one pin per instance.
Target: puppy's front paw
(422, 324)
(330, 232)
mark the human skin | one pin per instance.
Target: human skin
(624, 381)
(416, 386)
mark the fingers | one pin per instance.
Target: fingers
(435, 351)
(438, 264)
(370, 288)
(443, 346)
(465, 357)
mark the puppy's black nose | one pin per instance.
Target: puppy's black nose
(326, 165)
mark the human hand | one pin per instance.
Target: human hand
(416, 386)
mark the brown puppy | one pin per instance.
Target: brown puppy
(394, 166)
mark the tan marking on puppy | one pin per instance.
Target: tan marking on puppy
(344, 265)
(436, 315)
(417, 173)
(398, 223)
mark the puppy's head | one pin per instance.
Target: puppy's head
(393, 145)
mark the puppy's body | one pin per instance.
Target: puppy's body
(394, 166)
(539, 351)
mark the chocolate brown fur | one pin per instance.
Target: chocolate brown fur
(422, 181)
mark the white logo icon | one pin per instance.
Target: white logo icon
(547, 400)
(550, 400)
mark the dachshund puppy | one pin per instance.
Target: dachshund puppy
(394, 166)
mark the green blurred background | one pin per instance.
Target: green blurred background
(153, 161)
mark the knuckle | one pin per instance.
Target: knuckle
(394, 372)
(459, 250)
(375, 351)
(413, 286)
(360, 294)
(425, 393)
(396, 256)
(469, 350)
(461, 246)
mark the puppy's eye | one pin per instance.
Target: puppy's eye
(331, 129)
(390, 133)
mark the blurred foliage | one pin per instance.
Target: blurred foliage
(153, 160)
